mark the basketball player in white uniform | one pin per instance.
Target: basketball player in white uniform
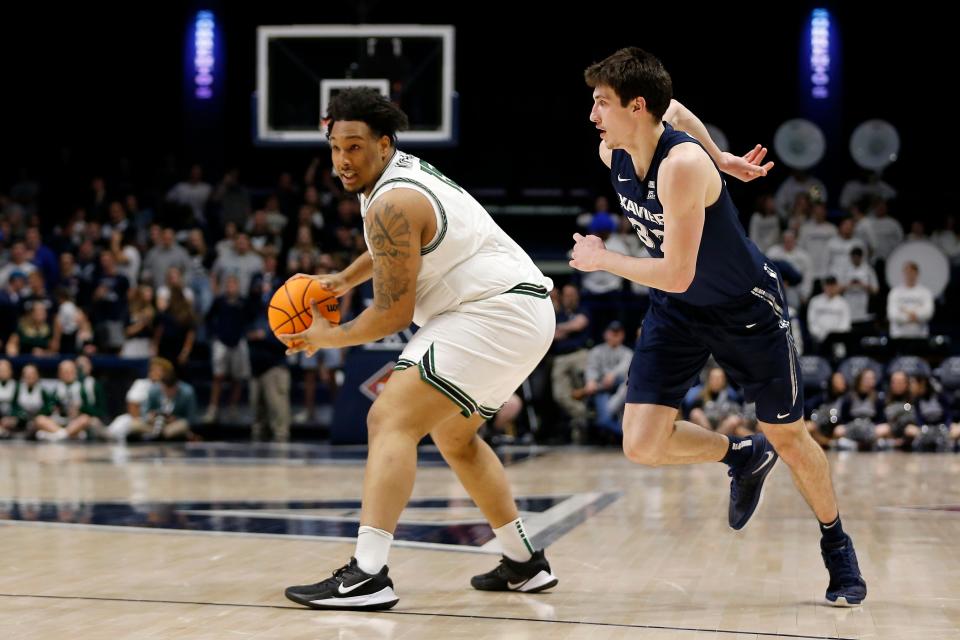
(439, 260)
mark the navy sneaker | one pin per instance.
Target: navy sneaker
(349, 588)
(746, 481)
(847, 587)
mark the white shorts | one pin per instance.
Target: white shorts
(481, 352)
(231, 361)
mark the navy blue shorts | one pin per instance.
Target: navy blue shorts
(749, 337)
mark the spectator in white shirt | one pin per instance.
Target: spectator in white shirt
(764, 224)
(814, 236)
(799, 260)
(862, 225)
(828, 313)
(859, 283)
(910, 306)
(886, 232)
(839, 246)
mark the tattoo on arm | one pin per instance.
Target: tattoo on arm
(389, 232)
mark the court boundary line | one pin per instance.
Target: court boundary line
(429, 614)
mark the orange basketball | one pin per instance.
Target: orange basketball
(289, 310)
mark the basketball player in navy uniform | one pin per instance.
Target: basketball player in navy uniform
(711, 291)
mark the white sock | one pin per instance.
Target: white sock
(514, 542)
(373, 547)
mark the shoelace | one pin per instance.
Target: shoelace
(504, 571)
(336, 574)
(342, 570)
(734, 484)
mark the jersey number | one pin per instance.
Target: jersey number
(432, 170)
(644, 233)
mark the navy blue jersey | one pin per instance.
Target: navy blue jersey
(728, 264)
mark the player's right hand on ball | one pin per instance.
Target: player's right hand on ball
(335, 283)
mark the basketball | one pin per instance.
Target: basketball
(289, 310)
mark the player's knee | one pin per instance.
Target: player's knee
(456, 446)
(644, 436)
(640, 448)
(788, 439)
(379, 421)
(383, 419)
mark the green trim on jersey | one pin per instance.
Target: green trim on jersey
(443, 214)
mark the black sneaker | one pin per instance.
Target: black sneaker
(349, 588)
(528, 577)
(847, 587)
(746, 484)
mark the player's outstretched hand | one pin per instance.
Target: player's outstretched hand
(748, 166)
(586, 252)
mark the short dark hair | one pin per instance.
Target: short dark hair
(367, 105)
(632, 73)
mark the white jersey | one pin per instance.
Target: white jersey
(470, 258)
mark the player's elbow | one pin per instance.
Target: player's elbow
(400, 320)
(681, 280)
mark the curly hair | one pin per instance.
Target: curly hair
(367, 105)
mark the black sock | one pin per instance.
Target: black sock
(832, 532)
(739, 451)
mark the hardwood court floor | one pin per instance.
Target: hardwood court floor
(199, 541)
